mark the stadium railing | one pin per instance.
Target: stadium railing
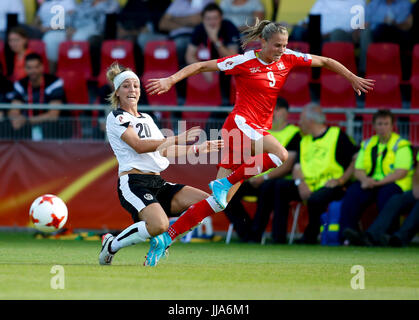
(87, 122)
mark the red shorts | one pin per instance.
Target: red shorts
(238, 134)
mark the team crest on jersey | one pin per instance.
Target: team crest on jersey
(280, 66)
(229, 64)
(148, 196)
(254, 70)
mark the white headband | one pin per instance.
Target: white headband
(124, 76)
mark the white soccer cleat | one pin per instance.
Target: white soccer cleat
(105, 256)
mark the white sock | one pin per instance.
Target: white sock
(134, 234)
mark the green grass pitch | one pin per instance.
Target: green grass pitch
(205, 271)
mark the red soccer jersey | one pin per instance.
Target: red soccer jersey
(258, 84)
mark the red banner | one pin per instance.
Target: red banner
(84, 175)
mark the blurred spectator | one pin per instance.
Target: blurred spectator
(37, 87)
(335, 18)
(18, 43)
(242, 13)
(383, 168)
(179, 20)
(386, 21)
(88, 24)
(7, 7)
(386, 231)
(89, 18)
(6, 92)
(48, 21)
(212, 39)
(324, 166)
(289, 136)
(140, 20)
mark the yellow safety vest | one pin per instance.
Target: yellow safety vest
(393, 144)
(318, 159)
(284, 137)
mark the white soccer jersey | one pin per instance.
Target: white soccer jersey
(116, 124)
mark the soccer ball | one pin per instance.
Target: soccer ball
(48, 213)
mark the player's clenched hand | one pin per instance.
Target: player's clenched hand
(362, 85)
(158, 86)
(189, 135)
(210, 146)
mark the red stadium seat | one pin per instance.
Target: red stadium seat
(344, 52)
(200, 92)
(121, 51)
(161, 55)
(74, 56)
(415, 61)
(75, 87)
(383, 58)
(386, 93)
(293, 117)
(167, 99)
(336, 91)
(296, 89)
(414, 83)
(76, 91)
(38, 46)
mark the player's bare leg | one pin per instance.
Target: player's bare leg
(267, 153)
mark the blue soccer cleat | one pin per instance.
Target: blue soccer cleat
(220, 190)
(158, 248)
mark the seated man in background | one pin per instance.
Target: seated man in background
(386, 231)
(383, 169)
(289, 136)
(214, 38)
(37, 87)
(336, 18)
(179, 20)
(324, 165)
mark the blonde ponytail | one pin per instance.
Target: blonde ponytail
(264, 29)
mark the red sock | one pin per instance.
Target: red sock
(258, 164)
(194, 215)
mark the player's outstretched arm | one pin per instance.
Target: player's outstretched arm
(359, 84)
(159, 86)
(150, 145)
(203, 148)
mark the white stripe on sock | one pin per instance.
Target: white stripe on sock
(138, 233)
